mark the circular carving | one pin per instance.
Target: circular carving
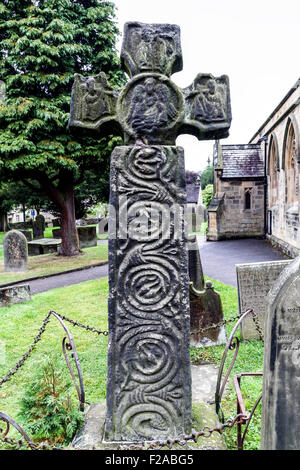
(148, 287)
(149, 357)
(148, 420)
(150, 105)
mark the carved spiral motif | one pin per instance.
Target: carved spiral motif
(148, 287)
(148, 358)
(148, 421)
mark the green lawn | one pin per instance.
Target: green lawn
(52, 263)
(87, 303)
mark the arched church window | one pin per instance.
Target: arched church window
(273, 173)
(248, 198)
(291, 167)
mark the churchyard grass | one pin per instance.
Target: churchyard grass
(21, 322)
(43, 265)
(85, 302)
(249, 359)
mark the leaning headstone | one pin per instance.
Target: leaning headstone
(14, 295)
(254, 281)
(38, 227)
(149, 378)
(195, 265)
(15, 251)
(281, 382)
(87, 236)
(206, 310)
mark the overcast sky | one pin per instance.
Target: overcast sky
(254, 42)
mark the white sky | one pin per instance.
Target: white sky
(254, 42)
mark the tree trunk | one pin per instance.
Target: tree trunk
(70, 242)
(3, 222)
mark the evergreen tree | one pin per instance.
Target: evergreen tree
(42, 44)
(207, 176)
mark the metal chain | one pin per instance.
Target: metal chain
(205, 432)
(25, 356)
(81, 325)
(217, 325)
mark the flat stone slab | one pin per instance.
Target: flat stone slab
(91, 434)
(204, 382)
(43, 246)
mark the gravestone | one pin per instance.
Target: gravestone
(102, 228)
(149, 379)
(281, 382)
(43, 246)
(14, 295)
(38, 227)
(28, 234)
(87, 236)
(15, 251)
(254, 281)
(195, 265)
(206, 310)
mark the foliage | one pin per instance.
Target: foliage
(207, 176)
(42, 44)
(208, 194)
(192, 177)
(47, 407)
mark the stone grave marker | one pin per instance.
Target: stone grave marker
(149, 378)
(206, 310)
(38, 227)
(254, 281)
(15, 251)
(195, 265)
(281, 381)
(87, 236)
(102, 228)
(14, 295)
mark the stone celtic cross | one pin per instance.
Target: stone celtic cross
(149, 381)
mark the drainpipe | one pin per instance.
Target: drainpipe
(265, 140)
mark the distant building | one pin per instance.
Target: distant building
(273, 156)
(237, 208)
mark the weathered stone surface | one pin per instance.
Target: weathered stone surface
(14, 295)
(28, 234)
(43, 246)
(102, 227)
(254, 282)
(38, 227)
(149, 389)
(195, 265)
(206, 310)
(15, 251)
(281, 383)
(87, 236)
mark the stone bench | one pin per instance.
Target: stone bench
(43, 246)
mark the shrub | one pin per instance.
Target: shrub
(47, 407)
(207, 194)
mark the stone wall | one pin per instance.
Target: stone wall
(230, 218)
(284, 231)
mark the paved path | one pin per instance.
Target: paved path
(219, 258)
(218, 262)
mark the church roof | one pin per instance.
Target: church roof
(192, 193)
(242, 161)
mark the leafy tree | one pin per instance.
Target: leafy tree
(207, 177)
(208, 194)
(42, 44)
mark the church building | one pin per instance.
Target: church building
(256, 186)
